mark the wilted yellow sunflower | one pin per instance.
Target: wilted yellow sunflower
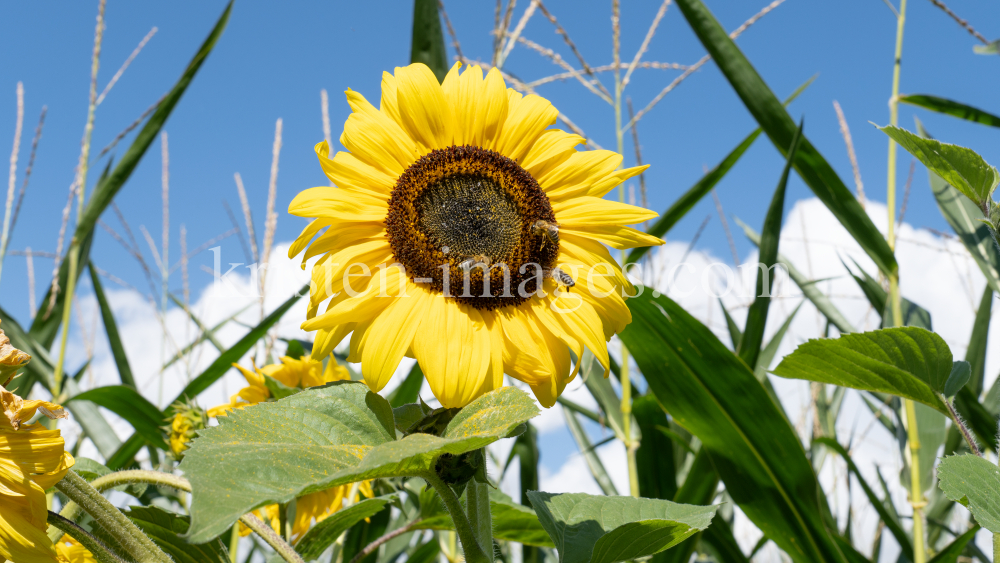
(32, 459)
(301, 373)
(492, 215)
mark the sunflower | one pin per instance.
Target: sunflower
(68, 550)
(314, 507)
(32, 459)
(487, 230)
(188, 419)
(301, 373)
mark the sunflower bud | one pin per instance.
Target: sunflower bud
(11, 359)
(188, 420)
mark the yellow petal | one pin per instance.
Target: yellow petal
(346, 170)
(582, 168)
(615, 236)
(587, 211)
(527, 118)
(551, 149)
(395, 329)
(423, 109)
(453, 347)
(375, 138)
(388, 103)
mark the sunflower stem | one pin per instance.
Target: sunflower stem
(136, 543)
(96, 548)
(477, 505)
(473, 551)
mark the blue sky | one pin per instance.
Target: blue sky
(274, 59)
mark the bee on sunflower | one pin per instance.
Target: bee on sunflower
(488, 231)
(32, 459)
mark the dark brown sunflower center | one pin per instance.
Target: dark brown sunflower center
(462, 220)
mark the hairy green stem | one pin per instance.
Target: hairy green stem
(477, 505)
(960, 424)
(136, 543)
(181, 484)
(473, 551)
(96, 548)
(378, 542)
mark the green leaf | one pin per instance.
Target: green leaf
(166, 528)
(511, 521)
(323, 534)
(209, 334)
(126, 402)
(686, 202)
(278, 389)
(111, 329)
(600, 388)
(770, 351)
(598, 529)
(699, 488)
(47, 323)
(974, 483)
(814, 170)
(975, 354)
(711, 393)
(428, 40)
(735, 334)
(960, 374)
(426, 553)
(961, 167)
(953, 550)
(321, 438)
(203, 336)
(753, 334)
(654, 459)
(808, 287)
(409, 390)
(359, 536)
(891, 522)
(910, 362)
(951, 107)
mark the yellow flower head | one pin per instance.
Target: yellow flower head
(11, 360)
(32, 459)
(496, 226)
(68, 550)
(301, 373)
(188, 420)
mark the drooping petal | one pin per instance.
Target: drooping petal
(453, 347)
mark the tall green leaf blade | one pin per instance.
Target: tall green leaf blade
(753, 334)
(720, 536)
(409, 390)
(428, 40)
(952, 108)
(954, 550)
(909, 362)
(599, 529)
(203, 337)
(654, 459)
(973, 482)
(364, 533)
(46, 325)
(323, 534)
(891, 522)
(126, 402)
(961, 167)
(686, 202)
(714, 395)
(589, 454)
(324, 437)
(976, 352)
(604, 394)
(814, 170)
(111, 330)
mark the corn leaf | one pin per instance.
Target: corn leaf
(814, 170)
(323, 534)
(126, 402)
(428, 40)
(111, 330)
(710, 392)
(951, 107)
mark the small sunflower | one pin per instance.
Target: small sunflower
(32, 459)
(314, 507)
(188, 419)
(68, 550)
(485, 230)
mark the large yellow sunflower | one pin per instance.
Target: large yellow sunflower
(484, 231)
(32, 459)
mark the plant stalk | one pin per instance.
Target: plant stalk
(916, 491)
(378, 542)
(477, 505)
(96, 548)
(473, 551)
(136, 543)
